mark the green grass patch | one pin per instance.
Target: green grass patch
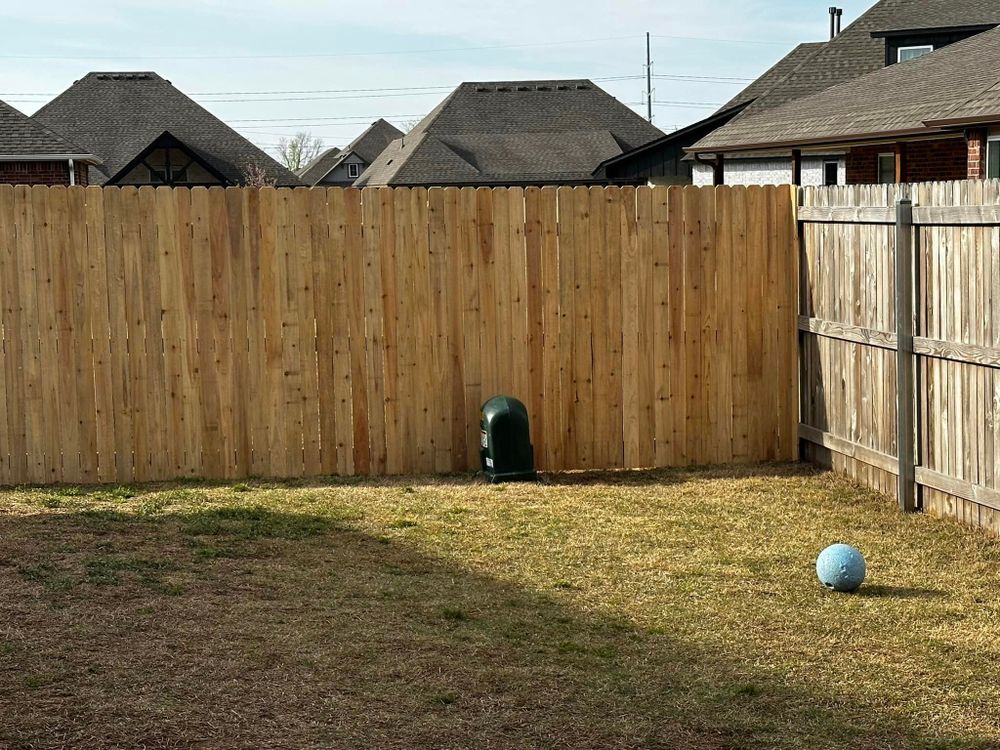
(254, 522)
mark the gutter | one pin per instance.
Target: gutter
(824, 141)
(85, 158)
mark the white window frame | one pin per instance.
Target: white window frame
(836, 165)
(883, 155)
(992, 142)
(353, 171)
(899, 52)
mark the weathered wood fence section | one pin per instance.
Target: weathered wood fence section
(849, 340)
(152, 334)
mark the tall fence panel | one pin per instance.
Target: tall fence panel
(849, 342)
(156, 333)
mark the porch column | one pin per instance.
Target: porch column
(719, 170)
(976, 141)
(796, 167)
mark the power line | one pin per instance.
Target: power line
(404, 89)
(707, 105)
(702, 79)
(324, 55)
(362, 118)
(723, 40)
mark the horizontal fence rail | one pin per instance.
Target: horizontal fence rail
(157, 333)
(848, 328)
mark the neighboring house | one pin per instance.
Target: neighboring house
(146, 132)
(319, 167)
(665, 160)
(342, 168)
(31, 154)
(932, 118)
(513, 133)
(891, 32)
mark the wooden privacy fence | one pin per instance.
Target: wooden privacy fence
(152, 334)
(947, 413)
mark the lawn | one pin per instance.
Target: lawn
(674, 609)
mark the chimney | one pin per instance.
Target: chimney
(835, 16)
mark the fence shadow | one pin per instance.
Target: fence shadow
(239, 628)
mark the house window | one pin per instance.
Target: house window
(886, 169)
(912, 53)
(353, 170)
(831, 173)
(993, 159)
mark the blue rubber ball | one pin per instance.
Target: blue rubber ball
(840, 567)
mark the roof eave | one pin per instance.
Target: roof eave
(83, 158)
(845, 140)
(932, 29)
(956, 122)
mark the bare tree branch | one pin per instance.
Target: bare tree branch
(299, 150)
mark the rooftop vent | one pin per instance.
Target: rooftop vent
(562, 88)
(582, 87)
(524, 88)
(481, 89)
(503, 88)
(124, 77)
(543, 88)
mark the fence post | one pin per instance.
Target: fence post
(905, 484)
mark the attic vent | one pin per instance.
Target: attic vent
(524, 88)
(124, 77)
(582, 87)
(481, 89)
(503, 88)
(562, 88)
(543, 88)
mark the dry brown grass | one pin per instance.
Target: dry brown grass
(667, 609)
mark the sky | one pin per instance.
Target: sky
(271, 68)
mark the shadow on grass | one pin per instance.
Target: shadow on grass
(249, 628)
(898, 592)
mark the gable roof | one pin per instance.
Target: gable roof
(513, 132)
(26, 139)
(117, 115)
(921, 96)
(366, 147)
(858, 51)
(319, 167)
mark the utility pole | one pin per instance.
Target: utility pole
(649, 77)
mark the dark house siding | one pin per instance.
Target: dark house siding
(663, 161)
(935, 38)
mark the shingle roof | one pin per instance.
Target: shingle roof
(775, 74)
(512, 132)
(116, 115)
(958, 81)
(22, 136)
(856, 52)
(366, 146)
(319, 167)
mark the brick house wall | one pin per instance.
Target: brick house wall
(923, 161)
(41, 173)
(976, 140)
(862, 165)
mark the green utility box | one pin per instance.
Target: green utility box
(505, 441)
